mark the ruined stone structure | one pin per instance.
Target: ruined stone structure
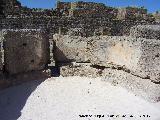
(157, 16)
(121, 45)
(131, 13)
(25, 50)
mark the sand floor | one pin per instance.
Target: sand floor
(73, 98)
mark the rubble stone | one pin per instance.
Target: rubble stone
(80, 69)
(146, 31)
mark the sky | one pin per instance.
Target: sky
(151, 5)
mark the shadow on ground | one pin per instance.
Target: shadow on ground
(13, 99)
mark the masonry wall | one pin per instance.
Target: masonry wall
(25, 50)
(131, 13)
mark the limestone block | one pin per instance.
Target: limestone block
(146, 31)
(138, 55)
(25, 50)
(70, 48)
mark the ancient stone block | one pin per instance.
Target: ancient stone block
(25, 50)
(146, 31)
(70, 48)
(139, 56)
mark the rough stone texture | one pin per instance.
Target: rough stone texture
(80, 69)
(131, 13)
(139, 56)
(70, 48)
(146, 31)
(141, 87)
(25, 50)
(1, 51)
(157, 16)
(76, 32)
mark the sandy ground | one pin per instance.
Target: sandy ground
(70, 98)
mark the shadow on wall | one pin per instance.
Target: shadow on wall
(12, 100)
(60, 56)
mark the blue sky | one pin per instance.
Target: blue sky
(151, 5)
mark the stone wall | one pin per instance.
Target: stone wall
(138, 55)
(25, 50)
(127, 61)
(131, 13)
(70, 48)
(84, 39)
(146, 31)
(11, 7)
(157, 16)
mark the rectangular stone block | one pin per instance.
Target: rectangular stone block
(25, 50)
(70, 48)
(139, 56)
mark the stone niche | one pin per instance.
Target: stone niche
(25, 50)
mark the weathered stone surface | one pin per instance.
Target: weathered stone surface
(70, 48)
(80, 69)
(1, 51)
(139, 56)
(140, 87)
(76, 32)
(146, 31)
(25, 50)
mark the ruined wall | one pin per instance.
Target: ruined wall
(25, 50)
(30, 42)
(131, 13)
(157, 16)
(70, 48)
(138, 55)
(146, 31)
(11, 7)
(128, 61)
(89, 26)
(93, 18)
